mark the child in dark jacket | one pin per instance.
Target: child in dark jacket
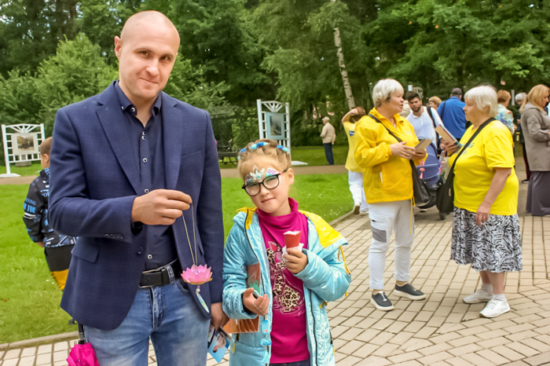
(57, 247)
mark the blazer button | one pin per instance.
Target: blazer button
(139, 251)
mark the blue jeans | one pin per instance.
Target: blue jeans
(167, 315)
(328, 153)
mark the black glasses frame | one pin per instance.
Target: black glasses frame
(263, 184)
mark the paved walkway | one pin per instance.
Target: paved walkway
(441, 330)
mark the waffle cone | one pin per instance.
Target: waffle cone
(292, 239)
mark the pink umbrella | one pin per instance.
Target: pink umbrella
(82, 353)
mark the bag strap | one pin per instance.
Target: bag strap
(443, 110)
(391, 133)
(470, 140)
(429, 109)
(394, 136)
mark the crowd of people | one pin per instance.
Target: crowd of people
(135, 182)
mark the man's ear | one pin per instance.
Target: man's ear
(46, 157)
(118, 46)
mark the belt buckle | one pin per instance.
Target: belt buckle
(161, 270)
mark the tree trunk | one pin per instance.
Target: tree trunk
(342, 65)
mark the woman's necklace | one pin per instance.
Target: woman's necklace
(196, 275)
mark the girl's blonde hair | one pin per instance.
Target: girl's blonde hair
(535, 96)
(263, 147)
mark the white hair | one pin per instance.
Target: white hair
(520, 97)
(384, 89)
(484, 96)
(326, 119)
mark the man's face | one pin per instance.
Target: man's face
(146, 54)
(415, 104)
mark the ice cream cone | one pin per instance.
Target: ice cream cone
(292, 239)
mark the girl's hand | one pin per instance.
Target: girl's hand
(295, 259)
(483, 213)
(258, 306)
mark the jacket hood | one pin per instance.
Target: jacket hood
(530, 106)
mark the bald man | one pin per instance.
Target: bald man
(135, 177)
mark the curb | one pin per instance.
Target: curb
(41, 340)
(341, 218)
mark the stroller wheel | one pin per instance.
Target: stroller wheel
(442, 216)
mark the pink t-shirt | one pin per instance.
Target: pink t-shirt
(288, 331)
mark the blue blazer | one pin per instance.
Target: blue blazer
(94, 180)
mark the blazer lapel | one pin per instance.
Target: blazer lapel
(112, 117)
(173, 140)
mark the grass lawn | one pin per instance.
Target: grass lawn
(33, 169)
(29, 298)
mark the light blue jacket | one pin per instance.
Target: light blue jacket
(326, 278)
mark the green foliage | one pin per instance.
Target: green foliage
(189, 84)
(214, 35)
(236, 51)
(76, 72)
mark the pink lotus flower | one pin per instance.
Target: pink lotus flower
(197, 275)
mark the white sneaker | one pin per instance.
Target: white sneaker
(364, 212)
(495, 308)
(478, 296)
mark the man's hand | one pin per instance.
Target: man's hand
(219, 319)
(40, 244)
(295, 259)
(449, 147)
(160, 207)
(483, 213)
(257, 306)
(401, 150)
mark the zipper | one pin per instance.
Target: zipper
(314, 335)
(263, 284)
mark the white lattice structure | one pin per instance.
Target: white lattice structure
(12, 152)
(274, 107)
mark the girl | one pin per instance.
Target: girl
(295, 284)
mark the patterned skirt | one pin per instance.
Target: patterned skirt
(494, 247)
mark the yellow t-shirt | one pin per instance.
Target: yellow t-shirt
(351, 164)
(474, 170)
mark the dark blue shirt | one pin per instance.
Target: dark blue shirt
(147, 148)
(452, 114)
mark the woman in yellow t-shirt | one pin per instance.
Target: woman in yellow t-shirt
(486, 232)
(355, 174)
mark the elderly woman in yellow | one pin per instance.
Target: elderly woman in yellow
(388, 183)
(486, 232)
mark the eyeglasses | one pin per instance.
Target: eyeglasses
(271, 182)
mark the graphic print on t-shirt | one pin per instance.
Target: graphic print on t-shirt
(286, 298)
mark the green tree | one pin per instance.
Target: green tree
(77, 71)
(214, 35)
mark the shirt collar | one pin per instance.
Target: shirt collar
(397, 117)
(126, 104)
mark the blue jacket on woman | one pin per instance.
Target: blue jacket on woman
(326, 278)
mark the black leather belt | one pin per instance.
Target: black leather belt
(159, 276)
